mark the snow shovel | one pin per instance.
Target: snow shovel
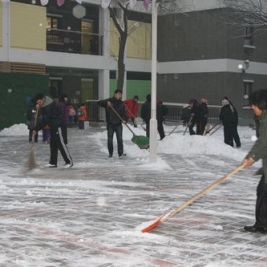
(31, 161)
(216, 130)
(188, 123)
(141, 141)
(137, 120)
(172, 212)
(175, 128)
(210, 129)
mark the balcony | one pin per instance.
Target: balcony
(68, 41)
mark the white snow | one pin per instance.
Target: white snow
(93, 214)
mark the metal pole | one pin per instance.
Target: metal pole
(6, 28)
(153, 120)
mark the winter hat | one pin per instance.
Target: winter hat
(225, 102)
(192, 100)
(204, 100)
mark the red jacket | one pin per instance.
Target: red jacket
(84, 116)
(131, 108)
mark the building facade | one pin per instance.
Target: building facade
(67, 55)
(202, 54)
(51, 50)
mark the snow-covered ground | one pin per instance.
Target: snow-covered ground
(93, 214)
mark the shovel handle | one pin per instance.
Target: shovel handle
(119, 116)
(203, 192)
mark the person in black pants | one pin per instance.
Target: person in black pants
(234, 132)
(194, 116)
(203, 117)
(32, 114)
(258, 102)
(162, 111)
(114, 123)
(229, 118)
(51, 114)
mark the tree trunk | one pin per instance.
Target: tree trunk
(123, 32)
(121, 64)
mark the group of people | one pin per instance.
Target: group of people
(53, 118)
(51, 113)
(70, 117)
(195, 114)
(116, 115)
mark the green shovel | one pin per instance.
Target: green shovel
(141, 141)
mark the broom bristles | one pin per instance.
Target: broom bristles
(31, 162)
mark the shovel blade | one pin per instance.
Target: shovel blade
(141, 141)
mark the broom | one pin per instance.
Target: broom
(172, 212)
(31, 161)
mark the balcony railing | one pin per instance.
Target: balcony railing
(74, 42)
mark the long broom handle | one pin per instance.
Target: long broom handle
(216, 130)
(134, 117)
(212, 128)
(35, 119)
(121, 119)
(174, 128)
(130, 112)
(204, 191)
(187, 124)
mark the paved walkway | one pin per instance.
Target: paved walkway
(92, 214)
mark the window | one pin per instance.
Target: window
(88, 40)
(247, 87)
(55, 85)
(52, 23)
(248, 35)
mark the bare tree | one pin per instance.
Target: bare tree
(122, 27)
(247, 12)
(165, 6)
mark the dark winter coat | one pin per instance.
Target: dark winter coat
(186, 114)
(162, 111)
(195, 110)
(204, 111)
(111, 116)
(64, 110)
(51, 115)
(228, 116)
(259, 149)
(146, 111)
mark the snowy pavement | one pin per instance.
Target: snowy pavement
(92, 214)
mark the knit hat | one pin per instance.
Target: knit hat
(225, 102)
(204, 100)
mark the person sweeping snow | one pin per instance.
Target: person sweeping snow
(258, 102)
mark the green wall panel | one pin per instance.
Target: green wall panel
(140, 88)
(134, 87)
(15, 90)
